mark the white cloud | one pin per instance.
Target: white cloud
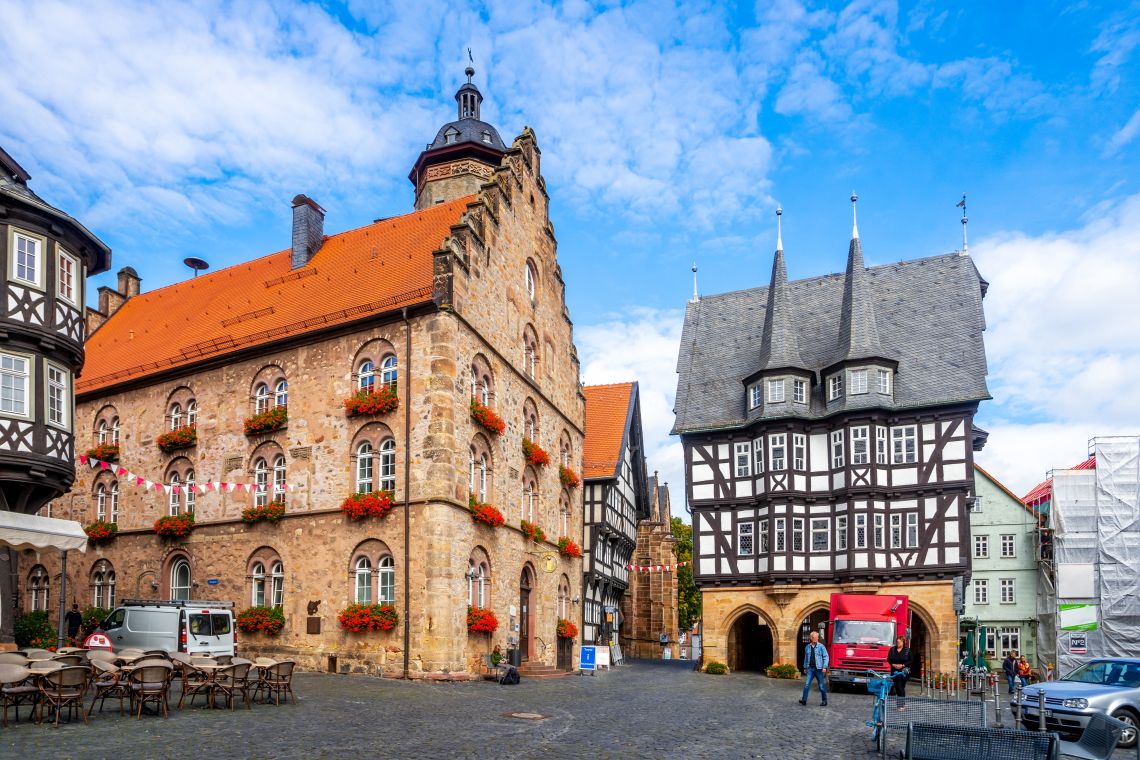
(1123, 136)
(641, 345)
(1062, 341)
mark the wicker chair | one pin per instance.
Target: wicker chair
(13, 658)
(278, 681)
(70, 659)
(102, 656)
(150, 684)
(109, 681)
(42, 666)
(194, 682)
(233, 679)
(64, 689)
(16, 689)
(157, 653)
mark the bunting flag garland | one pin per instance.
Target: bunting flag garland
(158, 487)
(657, 568)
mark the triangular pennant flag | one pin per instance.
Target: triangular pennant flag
(167, 488)
(121, 471)
(209, 485)
(149, 484)
(82, 459)
(248, 488)
(231, 487)
(105, 465)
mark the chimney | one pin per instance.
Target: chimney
(129, 282)
(308, 229)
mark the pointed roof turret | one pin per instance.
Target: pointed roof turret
(779, 347)
(858, 331)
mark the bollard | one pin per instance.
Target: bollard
(1019, 700)
(1041, 710)
(997, 704)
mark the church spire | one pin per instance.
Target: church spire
(858, 331)
(468, 97)
(779, 346)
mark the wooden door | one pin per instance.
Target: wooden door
(524, 615)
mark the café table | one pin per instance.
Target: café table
(210, 671)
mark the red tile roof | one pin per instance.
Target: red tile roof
(373, 269)
(1043, 491)
(607, 411)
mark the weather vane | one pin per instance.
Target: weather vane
(965, 221)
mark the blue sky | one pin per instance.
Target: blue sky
(669, 133)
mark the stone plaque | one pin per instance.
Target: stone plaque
(313, 625)
(232, 463)
(301, 452)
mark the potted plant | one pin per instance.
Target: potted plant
(101, 531)
(261, 619)
(181, 438)
(360, 505)
(568, 477)
(482, 414)
(534, 453)
(361, 618)
(271, 512)
(104, 452)
(568, 548)
(481, 620)
(565, 629)
(484, 513)
(175, 526)
(271, 419)
(372, 401)
(533, 532)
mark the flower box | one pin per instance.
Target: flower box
(481, 620)
(182, 438)
(484, 513)
(487, 418)
(267, 421)
(175, 526)
(568, 548)
(368, 401)
(568, 477)
(565, 629)
(267, 620)
(104, 452)
(534, 453)
(361, 618)
(271, 512)
(533, 532)
(361, 505)
(101, 531)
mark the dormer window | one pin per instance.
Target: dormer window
(450, 136)
(487, 136)
(755, 396)
(776, 391)
(884, 381)
(834, 387)
(857, 382)
(799, 391)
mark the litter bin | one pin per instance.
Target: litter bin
(514, 657)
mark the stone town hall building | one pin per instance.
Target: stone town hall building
(827, 426)
(461, 298)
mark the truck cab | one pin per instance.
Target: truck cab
(862, 628)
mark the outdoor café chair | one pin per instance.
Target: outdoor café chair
(70, 659)
(233, 679)
(157, 653)
(43, 666)
(109, 681)
(194, 682)
(149, 684)
(64, 689)
(16, 689)
(277, 680)
(13, 658)
(101, 655)
(38, 654)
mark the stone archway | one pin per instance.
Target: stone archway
(751, 645)
(812, 620)
(923, 641)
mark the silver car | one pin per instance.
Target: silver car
(1108, 685)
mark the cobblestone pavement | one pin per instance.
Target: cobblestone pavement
(643, 710)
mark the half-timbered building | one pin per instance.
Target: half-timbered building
(615, 496)
(828, 436)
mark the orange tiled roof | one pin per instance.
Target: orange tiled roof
(376, 268)
(607, 409)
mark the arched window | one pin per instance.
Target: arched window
(564, 598)
(564, 514)
(530, 420)
(115, 501)
(261, 398)
(191, 496)
(388, 370)
(363, 581)
(257, 575)
(366, 375)
(192, 413)
(115, 431)
(476, 583)
(260, 482)
(101, 504)
(483, 477)
(38, 585)
(471, 479)
(180, 581)
(175, 416)
(279, 482)
(97, 584)
(388, 465)
(277, 584)
(529, 497)
(530, 351)
(175, 499)
(565, 450)
(103, 432)
(281, 393)
(482, 386)
(364, 467)
(531, 279)
(386, 580)
(109, 588)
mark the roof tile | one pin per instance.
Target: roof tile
(607, 411)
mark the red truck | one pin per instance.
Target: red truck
(862, 627)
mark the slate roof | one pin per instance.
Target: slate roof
(779, 347)
(470, 131)
(355, 274)
(608, 415)
(928, 317)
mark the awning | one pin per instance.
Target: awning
(22, 531)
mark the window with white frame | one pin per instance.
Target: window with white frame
(15, 384)
(279, 478)
(880, 445)
(904, 448)
(363, 581)
(797, 534)
(260, 482)
(66, 280)
(1008, 592)
(884, 381)
(837, 457)
(1010, 639)
(476, 584)
(483, 477)
(857, 382)
(743, 459)
(115, 429)
(1008, 545)
(191, 413)
(101, 503)
(28, 265)
(896, 531)
(978, 505)
(775, 390)
(191, 491)
(981, 591)
(781, 534)
(860, 445)
(755, 395)
(277, 584)
(744, 539)
(834, 387)
(799, 391)
(175, 498)
(531, 279)
(386, 580)
(981, 547)
(841, 533)
(388, 464)
(389, 371)
(364, 467)
(820, 534)
(912, 530)
(777, 450)
(257, 579)
(38, 586)
(764, 535)
(880, 530)
(180, 581)
(366, 375)
(261, 398)
(281, 393)
(861, 531)
(175, 416)
(758, 455)
(59, 400)
(799, 452)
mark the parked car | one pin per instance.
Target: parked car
(1109, 685)
(194, 627)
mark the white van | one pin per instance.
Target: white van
(194, 627)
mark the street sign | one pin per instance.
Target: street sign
(212, 582)
(1078, 643)
(587, 658)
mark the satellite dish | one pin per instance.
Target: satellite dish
(196, 264)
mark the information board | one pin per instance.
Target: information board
(1078, 643)
(587, 658)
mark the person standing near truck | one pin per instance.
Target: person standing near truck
(815, 666)
(899, 660)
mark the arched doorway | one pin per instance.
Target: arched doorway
(526, 582)
(749, 643)
(921, 645)
(815, 621)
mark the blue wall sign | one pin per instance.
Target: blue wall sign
(213, 582)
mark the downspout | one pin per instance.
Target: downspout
(407, 482)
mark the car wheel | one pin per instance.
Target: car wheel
(1128, 737)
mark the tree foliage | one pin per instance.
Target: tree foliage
(688, 598)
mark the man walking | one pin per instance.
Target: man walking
(815, 666)
(73, 619)
(1009, 667)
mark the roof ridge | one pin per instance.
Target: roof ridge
(611, 385)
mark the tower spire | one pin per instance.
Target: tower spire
(965, 223)
(695, 296)
(854, 218)
(779, 232)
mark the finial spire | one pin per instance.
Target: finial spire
(854, 218)
(696, 297)
(779, 232)
(965, 223)
(470, 70)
